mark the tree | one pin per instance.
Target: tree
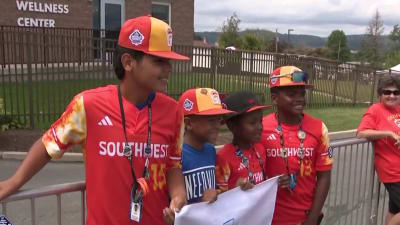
(392, 59)
(393, 56)
(337, 45)
(252, 42)
(230, 32)
(371, 47)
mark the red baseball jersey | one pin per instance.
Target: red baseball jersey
(93, 120)
(387, 156)
(230, 167)
(290, 207)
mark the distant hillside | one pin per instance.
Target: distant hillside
(298, 40)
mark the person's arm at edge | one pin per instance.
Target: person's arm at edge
(321, 192)
(35, 160)
(375, 134)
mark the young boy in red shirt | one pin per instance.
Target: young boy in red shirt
(130, 134)
(241, 163)
(203, 113)
(298, 145)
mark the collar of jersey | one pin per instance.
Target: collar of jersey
(149, 100)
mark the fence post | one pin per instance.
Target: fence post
(103, 58)
(3, 43)
(335, 85)
(28, 47)
(252, 71)
(355, 88)
(373, 89)
(213, 68)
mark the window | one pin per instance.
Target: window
(162, 11)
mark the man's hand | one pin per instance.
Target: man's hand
(209, 195)
(284, 181)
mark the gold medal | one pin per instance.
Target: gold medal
(301, 135)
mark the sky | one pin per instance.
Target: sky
(313, 17)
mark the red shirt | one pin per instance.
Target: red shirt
(230, 167)
(291, 206)
(93, 120)
(387, 156)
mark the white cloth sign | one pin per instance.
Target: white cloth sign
(234, 207)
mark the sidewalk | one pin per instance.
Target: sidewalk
(77, 157)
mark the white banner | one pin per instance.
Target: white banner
(234, 207)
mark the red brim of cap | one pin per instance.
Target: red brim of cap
(258, 107)
(168, 55)
(212, 112)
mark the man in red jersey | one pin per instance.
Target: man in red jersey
(298, 145)
(131, 135)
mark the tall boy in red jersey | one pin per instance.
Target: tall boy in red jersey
(131, 135)
(298, 145)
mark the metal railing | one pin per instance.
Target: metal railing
(57, 190)
(355, 198)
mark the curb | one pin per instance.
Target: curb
(78, 157)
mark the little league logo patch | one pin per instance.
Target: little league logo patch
(168, 31)
(4, 221)
(274, 80)
(188, 105)
(397, 122)
(136, 37)
(330, 152)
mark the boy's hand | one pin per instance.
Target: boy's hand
(284, 181)
(244, 184)
(209, 195)
(175, 206)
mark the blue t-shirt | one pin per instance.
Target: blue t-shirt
(198, 167)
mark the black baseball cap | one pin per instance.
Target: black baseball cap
(242, 102)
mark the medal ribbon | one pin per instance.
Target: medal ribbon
(300, 134)
(246, 162)
(144, 188)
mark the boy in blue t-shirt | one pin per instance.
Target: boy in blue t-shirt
(203, 110)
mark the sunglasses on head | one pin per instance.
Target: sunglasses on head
(389, 92)
(296, 77)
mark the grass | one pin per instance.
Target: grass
(339, 118)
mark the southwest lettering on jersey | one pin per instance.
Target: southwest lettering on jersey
(198, 180)
(116, 149)
(276, 152)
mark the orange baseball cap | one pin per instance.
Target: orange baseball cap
(201, 101)
(288, 76)
(149, 35)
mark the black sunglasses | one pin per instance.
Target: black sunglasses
(389, 92)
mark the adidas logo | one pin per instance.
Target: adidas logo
(271, 137)
(105, 122)
(241, 166)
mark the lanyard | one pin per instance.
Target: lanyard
(300, 134)
(128, 149)
(245, 161)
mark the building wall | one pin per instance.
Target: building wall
(137, 8)
(182, 19)
(79, 13)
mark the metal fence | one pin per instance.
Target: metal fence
(355, 197)
(41, 69)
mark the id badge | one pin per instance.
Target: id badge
(136, 211)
